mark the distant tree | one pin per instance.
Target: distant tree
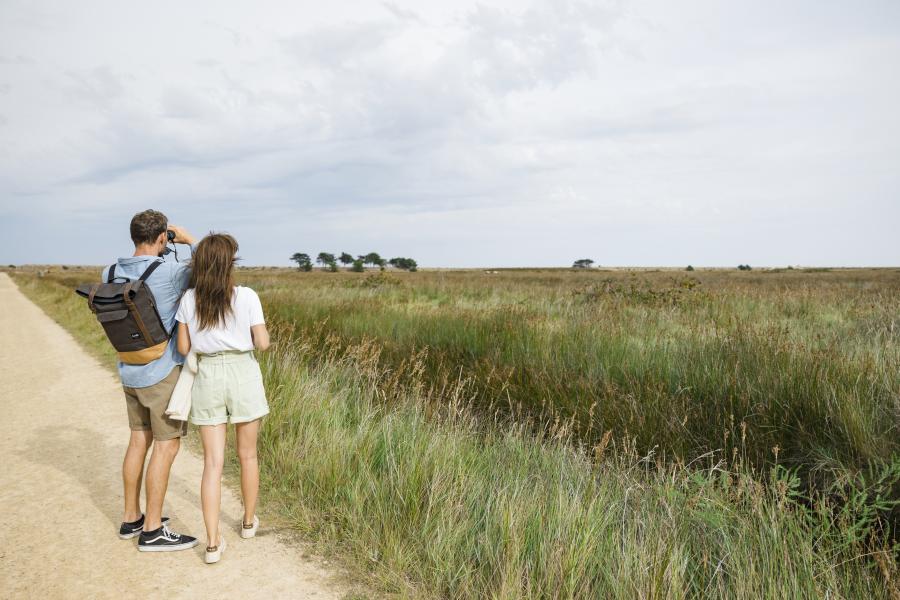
(689, 268)
(372, 258)
(407, 264)
(304, 263)
(345, 258)
(745, 268)
(357, 266)
(325, 258)
(583, 263)
(332, 267)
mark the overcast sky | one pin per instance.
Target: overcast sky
(512, 133)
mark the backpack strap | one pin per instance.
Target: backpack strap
(111, 274)
(150, 270)
(135, 313)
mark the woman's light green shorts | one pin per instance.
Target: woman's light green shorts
(228, 387)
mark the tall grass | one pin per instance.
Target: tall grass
(431, 500)
(412, 473)
(808, 363)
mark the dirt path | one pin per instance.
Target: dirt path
(61, 447)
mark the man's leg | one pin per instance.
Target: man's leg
(166, 442)
(166, 436)
(161, 459)
(133, 472)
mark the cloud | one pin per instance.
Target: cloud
(180, 103)
(402, 13)
(18, 59)
(545, 44)
(98, 87)
(530, 130)
(345, 45)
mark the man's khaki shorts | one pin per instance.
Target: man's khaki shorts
(147, 408)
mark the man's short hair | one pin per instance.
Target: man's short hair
(146, 226)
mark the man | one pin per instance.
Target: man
(148, 388)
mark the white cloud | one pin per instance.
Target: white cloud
(502, 132)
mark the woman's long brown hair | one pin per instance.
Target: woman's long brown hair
(212, 278)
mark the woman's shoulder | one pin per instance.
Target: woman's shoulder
(187, 298)
(244, 292)
(185, 306)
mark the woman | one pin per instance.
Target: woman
(223, 323)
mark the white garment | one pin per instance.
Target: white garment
(234, 333)
(180, 402)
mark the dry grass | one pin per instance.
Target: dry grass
(559, 434)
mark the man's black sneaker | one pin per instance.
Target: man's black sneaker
(163, 540)
(130, 530)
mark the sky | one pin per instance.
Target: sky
(462, 134)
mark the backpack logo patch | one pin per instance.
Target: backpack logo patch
(135, 335)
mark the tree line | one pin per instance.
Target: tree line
(587, 263)
(329, 262)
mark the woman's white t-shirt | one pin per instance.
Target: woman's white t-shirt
(234, 333)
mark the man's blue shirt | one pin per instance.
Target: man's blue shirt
(167, 283)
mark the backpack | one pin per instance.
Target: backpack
(127, 311)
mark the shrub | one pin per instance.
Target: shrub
(374, 281)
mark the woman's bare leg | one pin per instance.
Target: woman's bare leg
(213, 437)
(246, 434)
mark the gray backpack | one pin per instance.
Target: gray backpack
(127, 311)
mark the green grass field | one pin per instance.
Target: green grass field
(571, 434)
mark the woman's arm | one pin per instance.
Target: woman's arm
(260, 336)
(184, 339)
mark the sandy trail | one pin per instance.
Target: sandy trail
(64, 431)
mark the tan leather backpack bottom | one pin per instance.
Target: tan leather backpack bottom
(142, 357)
